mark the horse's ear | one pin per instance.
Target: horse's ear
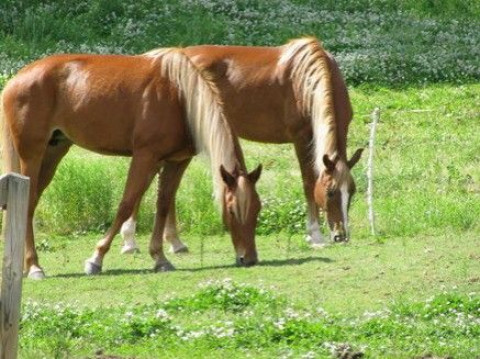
(329, 164)
(228, 178)
(356, 156)
(236, 171)
(255, 174)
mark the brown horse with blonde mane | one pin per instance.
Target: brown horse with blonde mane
(293, 93)
(161, 110)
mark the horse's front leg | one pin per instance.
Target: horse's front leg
(170, 233)
(167, 186)
(142, 169)
(303, 151)
(127, 231)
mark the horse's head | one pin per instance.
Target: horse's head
(334, 190)
(241, 206)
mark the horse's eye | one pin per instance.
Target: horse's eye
(330, 193)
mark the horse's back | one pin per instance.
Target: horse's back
(73, 81)
(97, 101)
(255, 91)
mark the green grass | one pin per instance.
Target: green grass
(426, 170)
(375, 41)
(411, 291)
(402, 298)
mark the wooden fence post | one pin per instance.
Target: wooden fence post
(371, 213)
(14, 194)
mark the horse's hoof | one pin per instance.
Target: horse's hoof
(129, 249)
(178, 250)
(242, 262)
(163, 267)
(239, 262)
(92, 268)
(36, 274)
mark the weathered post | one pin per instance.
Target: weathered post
(371, 213)
(14, 192)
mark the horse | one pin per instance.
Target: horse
(293, 93)
(160, 110)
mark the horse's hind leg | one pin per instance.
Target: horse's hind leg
(40, 169)
(169, 179)
(31, 169)
(302, 149)
(142, 169)
(53, 156)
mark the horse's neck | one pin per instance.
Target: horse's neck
(230, 154)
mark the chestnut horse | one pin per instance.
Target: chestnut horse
(292, 93)
(160, 110)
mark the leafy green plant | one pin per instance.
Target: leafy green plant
(264, 323)
(80, 199)
(376, 42)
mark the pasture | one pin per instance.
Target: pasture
(411, 291)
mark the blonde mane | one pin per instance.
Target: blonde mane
(311, 77)
(208, 126)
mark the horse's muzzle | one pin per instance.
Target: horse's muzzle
(339, 238)
(242, 262)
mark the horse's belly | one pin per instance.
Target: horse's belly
(112, 136)
(260, 128)
(260, 113)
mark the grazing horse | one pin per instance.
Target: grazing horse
(160, 110)
(292, 93)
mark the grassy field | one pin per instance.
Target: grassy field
(412, 291)
(427, 174)
(375, 41)
(402, 298)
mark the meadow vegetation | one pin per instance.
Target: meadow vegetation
(411, 291)
(376, 41)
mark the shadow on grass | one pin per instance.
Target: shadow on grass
(264, 263)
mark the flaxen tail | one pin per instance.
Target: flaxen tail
(10, 159)
(204, 112)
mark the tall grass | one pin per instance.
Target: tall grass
(375, 41)
(426, 160)
(427, 174)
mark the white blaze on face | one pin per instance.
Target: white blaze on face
(345, 197)
(242, 205)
